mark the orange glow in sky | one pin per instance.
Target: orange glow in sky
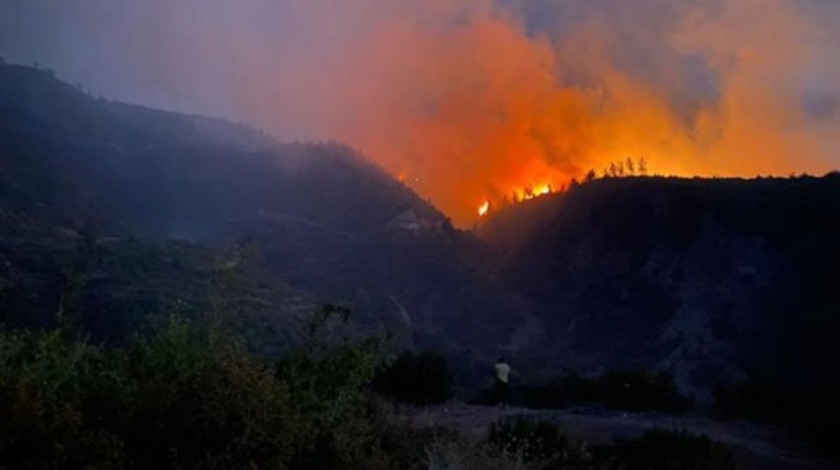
(460, 99)
(471, 104)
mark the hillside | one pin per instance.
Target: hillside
(716, 281)
(142, 209)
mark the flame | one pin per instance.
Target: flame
(484, 209)
(531, 191)
(518, 195)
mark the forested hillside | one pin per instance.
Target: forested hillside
(120, 212)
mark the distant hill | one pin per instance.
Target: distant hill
(159, 199)
(159, 173)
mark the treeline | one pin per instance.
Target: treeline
(621, 168)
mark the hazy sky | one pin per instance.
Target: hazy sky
(472, 99)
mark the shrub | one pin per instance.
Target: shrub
(181, 399)
(669, 450)
(202, 403)
(619, 390)
(536, 442)
(56, 403)
(417, 379)
(817, 414)
(753, 401)
(559, 393)
(813, 413)
(188, 399)
(541, 444)
(329, 392)
(447, 452)
(639, 391)
(172, 401)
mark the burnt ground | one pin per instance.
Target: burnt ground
(759, 447)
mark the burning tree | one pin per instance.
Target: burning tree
(622, 168)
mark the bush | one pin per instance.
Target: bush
(182, 399)
(812, 412)
(447, 452)
(536, 442)
(559, 393)
(819, 418)
(753, 401)
(56, 405)
(173, 401)
(542, 444)
(417, 379)
(639, 391)
(337, 424)
(205, 403)
(188, 399)
(619, 390)
(668, 450)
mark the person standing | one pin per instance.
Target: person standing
(501, 387)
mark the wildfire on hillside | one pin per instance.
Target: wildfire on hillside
(461, 99)
(517, 196)
(531, 192)
(624, 168)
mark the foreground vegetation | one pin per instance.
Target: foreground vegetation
(189, 397)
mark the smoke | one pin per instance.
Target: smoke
(472, 99)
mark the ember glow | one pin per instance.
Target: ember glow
(476, 97)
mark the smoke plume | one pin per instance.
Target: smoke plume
(474, 99)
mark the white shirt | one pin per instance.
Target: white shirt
(502, 372)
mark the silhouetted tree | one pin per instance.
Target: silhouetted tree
(619, 169)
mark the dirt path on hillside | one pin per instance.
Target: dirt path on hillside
(759, 447)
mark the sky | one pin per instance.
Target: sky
(471, 100)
